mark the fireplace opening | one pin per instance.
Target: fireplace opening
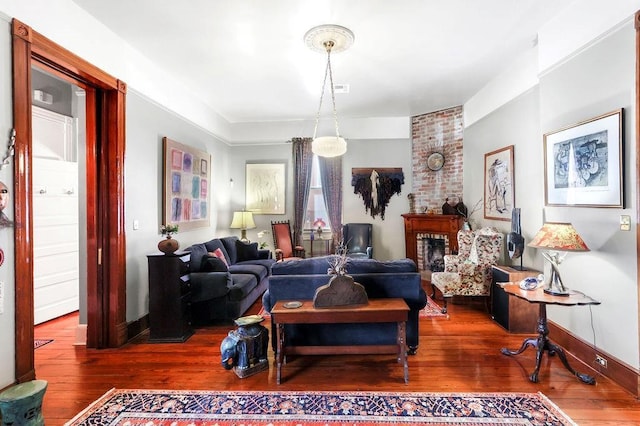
(433, 256)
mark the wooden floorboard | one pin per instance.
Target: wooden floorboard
(460, 353)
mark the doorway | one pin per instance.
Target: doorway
(104, 200)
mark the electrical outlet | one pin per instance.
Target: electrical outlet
(602, 361)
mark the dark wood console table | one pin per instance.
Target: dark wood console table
(443, 224)
(542, 343)
(376, 311)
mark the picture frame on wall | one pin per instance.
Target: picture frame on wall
(187, 182)
(583, 163)
(265, 187)
(499, 184)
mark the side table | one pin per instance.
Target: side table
(542, 342)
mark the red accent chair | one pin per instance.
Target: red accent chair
(283, 242)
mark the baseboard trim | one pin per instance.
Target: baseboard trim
(81, 335)
(617, 371)
(136, 327)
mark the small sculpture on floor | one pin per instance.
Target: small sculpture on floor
(245, 349)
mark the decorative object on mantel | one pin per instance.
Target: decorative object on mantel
(341, 290)
(376, 186)
(412, 203)
(462, 210)
(169, 245)
(328, 38)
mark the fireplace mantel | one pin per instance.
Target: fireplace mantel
(444, 224)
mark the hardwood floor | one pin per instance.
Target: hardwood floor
(458, 354)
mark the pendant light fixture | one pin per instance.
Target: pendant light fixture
(328, 38)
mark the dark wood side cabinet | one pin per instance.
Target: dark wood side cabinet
(512, 313)
(169, 298)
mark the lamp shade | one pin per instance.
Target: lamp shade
(329, 146)
(242, 220)
(558, 236)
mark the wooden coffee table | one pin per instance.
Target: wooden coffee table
(376, 311)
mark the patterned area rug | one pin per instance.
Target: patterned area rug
(182, 408)
(38, 343)
(431, 310)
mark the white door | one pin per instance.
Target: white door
(55, 216)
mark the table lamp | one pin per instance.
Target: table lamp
(243, 221)
(556, 239)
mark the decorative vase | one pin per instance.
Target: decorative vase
(466, 226)
(168, 245)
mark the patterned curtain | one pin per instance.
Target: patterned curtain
(302, 162)
(331, 177)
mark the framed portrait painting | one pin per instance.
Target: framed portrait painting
(265, 187)
(583, 163)
(499, 184)
(187, 179)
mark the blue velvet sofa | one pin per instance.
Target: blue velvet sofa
(299, 279)
(225, 289)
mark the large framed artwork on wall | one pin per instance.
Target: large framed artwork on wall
(187, 182)
(265, 187)
(499, 184)
(583, 163)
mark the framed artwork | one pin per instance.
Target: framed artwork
(186, 175)
(265, 187)
(583, 163)
(499, 184)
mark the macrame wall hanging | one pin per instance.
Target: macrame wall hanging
(376, 187)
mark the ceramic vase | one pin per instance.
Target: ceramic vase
(168, 245)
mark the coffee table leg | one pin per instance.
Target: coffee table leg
(280, 354)
(402, 349)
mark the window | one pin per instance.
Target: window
(316, 208)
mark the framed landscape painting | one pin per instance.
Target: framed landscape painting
(187, 182)
(499, 185)
(583, 163)
(265, 187)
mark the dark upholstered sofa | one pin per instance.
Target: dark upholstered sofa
(299, 279)
(224, 290)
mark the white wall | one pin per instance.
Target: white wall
(7, 277)
(586, 79)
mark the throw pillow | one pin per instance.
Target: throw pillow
(220, 255)
(213, 264)
(246, 251)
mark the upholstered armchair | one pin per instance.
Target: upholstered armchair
(357, 239)
(283, 242)
(469, 272)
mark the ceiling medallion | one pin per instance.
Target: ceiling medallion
(328, 38)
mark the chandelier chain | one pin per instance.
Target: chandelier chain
(327, 72)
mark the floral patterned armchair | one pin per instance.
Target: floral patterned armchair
(469, 272)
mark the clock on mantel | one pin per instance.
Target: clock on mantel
(435, 161)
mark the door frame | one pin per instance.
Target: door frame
(106, 256)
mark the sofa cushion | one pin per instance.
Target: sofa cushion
(368, 266)
(258, 271)
(198, 252)
(246, 251)
(229, 244)
(241, 286)
(312, 265)
(213, 264)
(216, 243)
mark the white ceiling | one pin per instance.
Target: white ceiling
(248, 61)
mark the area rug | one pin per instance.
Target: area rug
(38, 343)
(431, 310)
(200, 408)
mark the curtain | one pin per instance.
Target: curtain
(331, 177)
(302, 162)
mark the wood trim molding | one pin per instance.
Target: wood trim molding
(106, 249)
(581, 351)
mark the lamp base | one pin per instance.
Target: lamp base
(554, 292)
